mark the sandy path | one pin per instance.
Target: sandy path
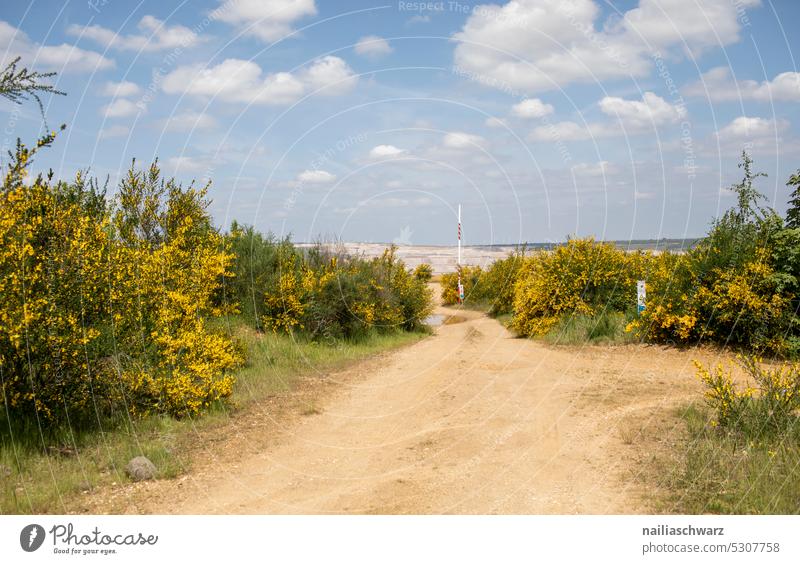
(470, 420)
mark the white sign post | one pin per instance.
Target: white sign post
(641, 296)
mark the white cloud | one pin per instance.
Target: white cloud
(330, 75)
(532, 108)
(122, 89)
(537, 45)
(373, 46)
(63, 58)
(495, 122)
(719, 86)
(268, 21)
(188, 164)
(461, 140)
(315, 177)
(572, 131)
(188, 121)
(743, 128)
(237, 80)
(114, 131)
(756, 135)
(633, 117)
(698, 25)
(155, 35)
(385, 152)
(120, 108)
(635, 114)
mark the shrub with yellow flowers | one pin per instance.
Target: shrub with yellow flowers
(53, 252)
(734, 288)
(768, 404)
(103, 310)
(283, 302)
(492, 287)
(329, 295)
(470, 280)
(175, 261)
(581, 277)
(671, 313)
(424, 272)
(498, 282)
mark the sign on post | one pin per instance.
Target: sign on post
(641, 295)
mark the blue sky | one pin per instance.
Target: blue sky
(371, 121)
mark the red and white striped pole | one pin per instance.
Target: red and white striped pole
(460, 286)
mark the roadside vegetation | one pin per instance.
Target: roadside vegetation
(742, 448)
(126, 322)
(737, 288)
(491, 289)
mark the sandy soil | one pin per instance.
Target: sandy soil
(470, 420)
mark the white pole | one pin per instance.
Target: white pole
(460, 287)
(459, 234)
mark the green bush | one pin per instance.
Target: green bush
(736, 287)
(255, 269)
(498, 282)
(583, 277)
(104, 305)
(492, 288)
(470, 280)
(768, 407)
(322, 291)
(423, 272)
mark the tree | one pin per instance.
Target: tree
(793, 213)
(747, 196)
(18, 84)
(734, 237)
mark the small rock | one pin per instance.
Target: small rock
(140, 468)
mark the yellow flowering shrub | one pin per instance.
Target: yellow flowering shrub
(770, 405)
(737, 305)
(670, 313)
(721, 394)
(424, 272)
(743, 306)
(283, 303)
(52, 265)
(101, 311)
(470, 280)
(173, 262)
(581, 277)
(331, 296)
(492, 287)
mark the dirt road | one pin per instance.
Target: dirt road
(470, 420)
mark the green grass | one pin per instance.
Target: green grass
(42, 472)
(506, 320)
(604, 328)
(275, 362)
(725, 472)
